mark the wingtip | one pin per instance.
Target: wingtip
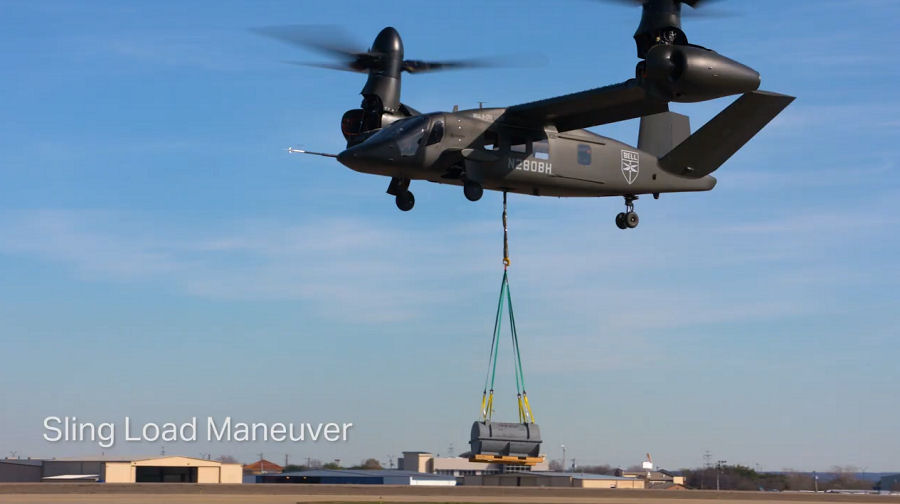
(773, 94)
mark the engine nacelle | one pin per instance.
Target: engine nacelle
(355, 124)
(382, 90)
(693, 74)
(352, 123)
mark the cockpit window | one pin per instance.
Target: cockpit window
(410, 138)
(437, 133)
(382, 133)
(408, 134)
(397, 127)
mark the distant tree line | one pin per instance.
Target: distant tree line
(596, 469)
(738, 477)
(735, 477)
(369, 463)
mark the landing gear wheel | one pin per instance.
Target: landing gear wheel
(631, 220)
(628, 219)
(405, 201)
(473, 190)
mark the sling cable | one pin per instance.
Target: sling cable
(500, 442)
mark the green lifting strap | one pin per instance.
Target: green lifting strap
(487, 398)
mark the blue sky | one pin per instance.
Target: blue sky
(162, 256)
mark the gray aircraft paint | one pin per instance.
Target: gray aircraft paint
(476, 149)
(516, 172)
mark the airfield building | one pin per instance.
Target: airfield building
(262, 466)
(554, 479)
(121, 470)
(458, 466)
(654, 478)
(358, 477)
(20, 471)
(890, 483)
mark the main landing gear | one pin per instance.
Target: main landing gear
(399, 188)
(629, 218)
(405, 200)
(473, 190)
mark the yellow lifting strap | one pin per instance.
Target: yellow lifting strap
(487, 408)
(521, 409)
(527, 407)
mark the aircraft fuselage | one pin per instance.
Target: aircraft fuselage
(478, 146)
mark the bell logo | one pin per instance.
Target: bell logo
(631, 165)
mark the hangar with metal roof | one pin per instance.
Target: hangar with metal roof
(19, 471)
(171, 469)
(554, 479)
(359, 477)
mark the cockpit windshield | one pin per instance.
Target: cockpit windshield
(407, 132)
(409, 143)
(397, 128)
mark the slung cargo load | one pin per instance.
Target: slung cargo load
(499, 442)
(509, 443)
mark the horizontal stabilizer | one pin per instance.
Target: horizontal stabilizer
(713, 144)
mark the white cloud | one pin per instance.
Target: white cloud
(363, 270)
(345, 268)
(756, 178)
(62, 236)
(878, 116)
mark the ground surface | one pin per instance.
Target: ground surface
(77, 493)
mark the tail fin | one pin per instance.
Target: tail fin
(713, 144)
(660, 133)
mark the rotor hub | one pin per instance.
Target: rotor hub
(660, 24)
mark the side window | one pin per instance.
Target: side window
(519, 145)
(584, 154)
(491, 141)
(437, 133)
(542, 150)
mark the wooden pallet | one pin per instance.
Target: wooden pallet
(506, 459)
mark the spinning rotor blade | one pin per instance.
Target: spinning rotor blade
(329, 66)
(337, 44)
(329, 40)
(692, 3)
(418, 66)
(695, 12)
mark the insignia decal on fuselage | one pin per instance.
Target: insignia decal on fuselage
(631, 165)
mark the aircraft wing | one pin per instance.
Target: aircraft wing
(618, 102)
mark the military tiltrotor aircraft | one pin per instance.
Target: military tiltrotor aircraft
(542, 148)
